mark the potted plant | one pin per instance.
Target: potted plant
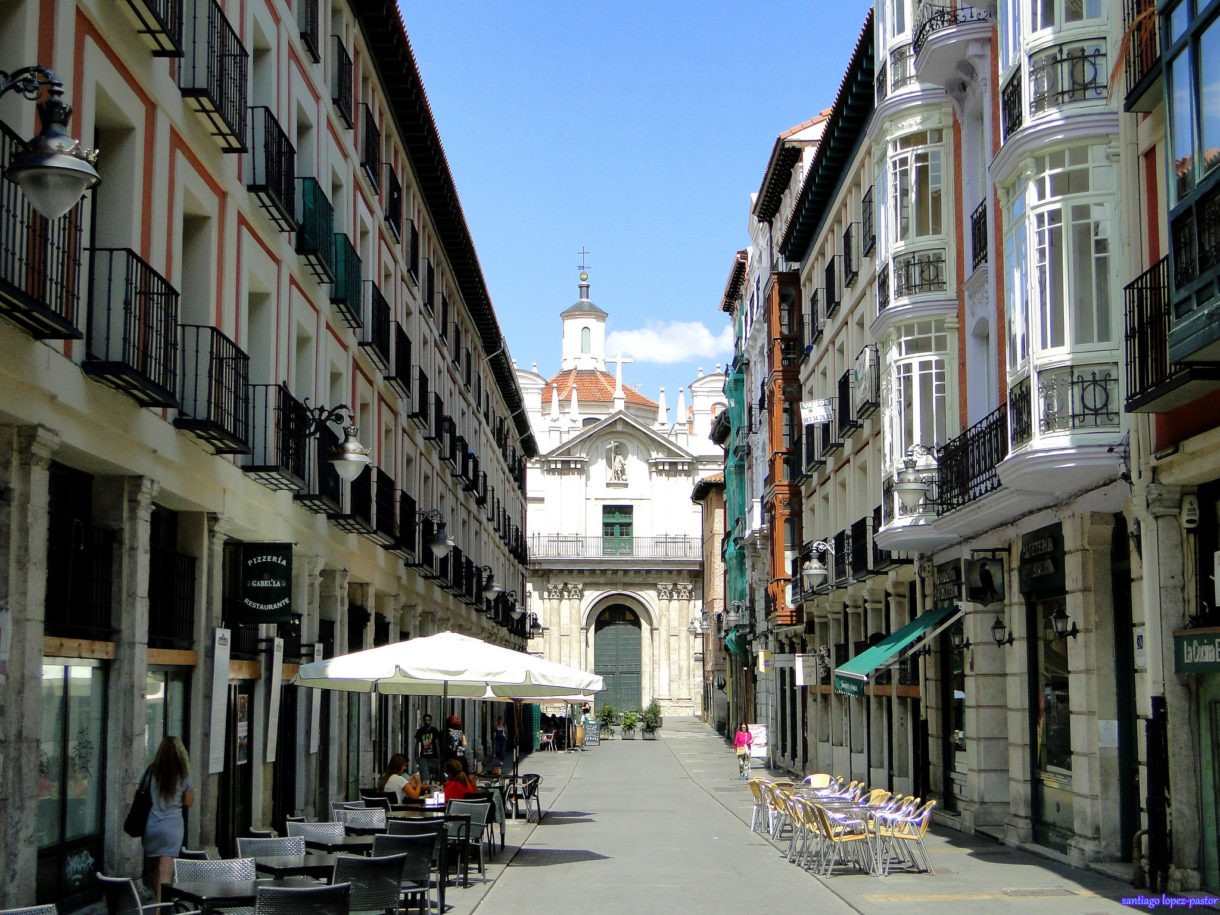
(650, 720)
(631, 721)
(608, 716)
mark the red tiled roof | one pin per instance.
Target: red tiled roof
(592, 386)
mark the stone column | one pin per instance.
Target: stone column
(332, 605)
(25, 458)
(209, 618)
(125, 503)
(662, 683)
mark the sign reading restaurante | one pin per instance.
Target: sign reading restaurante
(266, 583)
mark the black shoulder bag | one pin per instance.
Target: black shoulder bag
(141, 805)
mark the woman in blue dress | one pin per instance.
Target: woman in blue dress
(170, 785)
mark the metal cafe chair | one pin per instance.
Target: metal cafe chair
(32, 910)
(421, 853)
(279, 845)
(376, 882)
(319, 900)
(122, 898)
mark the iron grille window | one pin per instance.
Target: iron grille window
(393, 204)
(978, 234)
(851, 260)
(1010, 104)
(1067, 74)
(1020, 413)
(868, 231)
(1147, 337)
(918, 273)
(370, 152)
(413, 252)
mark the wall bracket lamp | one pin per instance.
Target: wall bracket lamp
(441, 543)
(349, 458)
(814, 570)
(1000, 633)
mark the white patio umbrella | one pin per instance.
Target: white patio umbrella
(450, 665)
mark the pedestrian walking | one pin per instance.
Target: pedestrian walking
(172, 793)
(743, 740)
(428, 751)
(499, 743)
(455, 741)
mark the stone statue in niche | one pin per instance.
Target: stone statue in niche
(617, 458)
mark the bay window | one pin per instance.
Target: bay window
(917, 178)
(917, 389)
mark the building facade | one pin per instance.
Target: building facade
(275, 253)
(615, 547)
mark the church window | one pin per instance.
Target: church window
(585, 337)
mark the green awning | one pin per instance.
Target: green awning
(735, 642)
(851, 678)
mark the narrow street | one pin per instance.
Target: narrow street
(664, 826)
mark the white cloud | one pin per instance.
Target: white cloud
(671, 342)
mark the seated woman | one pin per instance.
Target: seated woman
(414, 788)
(457, 783)
(392, 779)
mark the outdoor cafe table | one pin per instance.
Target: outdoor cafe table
(352, 845)
(313, 864)
(208, 895)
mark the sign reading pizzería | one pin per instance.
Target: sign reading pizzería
(266, 582)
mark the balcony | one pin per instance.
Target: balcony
(132, 339)
(449, 444)
(1194, 230)
(575, 546)
(967, 464)
(345, 290)
(40, 261)
(470, 469)
(911, 530)
(404, 538)
(341, 80)
(393, 205)
(829, 441)
(422, 402)
(978, 235)
(213, 73)
(80, 578)
(859, 553)
(1012, 111)
(1142, 26)
(309, 20)
(868, 225)
(272, 169)
(481, 487)
(883, 288)
(374, 335)
(902, 68)
(370, 147)
(358, 519)
(919, 273)
(812, 457)
(278, 446)
(866, 396)
(399, 375)
(159, 25)
(834, 291)
(315, 219)
(1154, 383)
(943, 36)
(435, 431)
(171, 599)
(1067, 74)
(215, 400)
(322, 492)
(846, 417)
(851, 254)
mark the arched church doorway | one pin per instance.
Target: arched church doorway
(616, 656)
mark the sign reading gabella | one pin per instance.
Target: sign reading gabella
(1196, 651)
(266, 582)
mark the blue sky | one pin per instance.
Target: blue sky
(634, 130)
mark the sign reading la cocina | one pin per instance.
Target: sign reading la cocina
(266, 582)
(1196, 651)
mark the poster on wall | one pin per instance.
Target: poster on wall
(243, 729)
(758, 749)
(315, 708)
(266, 583)
(274, 687)
(807, 669)
(220, 700)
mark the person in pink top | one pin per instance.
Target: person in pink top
(743, 740)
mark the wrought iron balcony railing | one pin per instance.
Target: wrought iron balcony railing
(358, 518)
(278, 446)
(132, 339)
(829, 440)
(374, 336)
(435, 431)
(978, 235)
(867, 389)
(80, 578)
(1078, 397)
(834, 291)
(393, 204)
(933, 17)
(859, 553)
(40, 261)
(1142, 25)
(159, 23)
(171, 598)
(315, 219)
(341, 80)
(902, 67)
(575, 546)
(1067, 74)
(323, 489)
(213, 73)
(812, 457)
(868, 225)
(272, 169)
(421, 403)
(851, 254)
(882, 82)
(967, 464)
(345, 290)
(844, 410)
(399, 374)
(883, 287)
(215, 393)
(1020, 413)
(1012, 112)
(310, 23)
(1195, 239)
(370, 147)
(919, 273)
(405, 537)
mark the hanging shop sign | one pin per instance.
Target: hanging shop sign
(1196, 651)
(266, 583)
(947, 583)
(1041, 568)
(985, 580)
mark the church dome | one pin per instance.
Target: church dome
(593, 386)
(582, 307)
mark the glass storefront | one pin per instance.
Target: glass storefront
(1053, 810)
(71, 767)
(167, 694)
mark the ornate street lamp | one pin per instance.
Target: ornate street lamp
(52, 169)
(348, 458)
(441, 543)
(814, 570)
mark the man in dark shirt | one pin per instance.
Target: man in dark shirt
(428, 751)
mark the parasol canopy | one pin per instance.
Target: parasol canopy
(453, 665)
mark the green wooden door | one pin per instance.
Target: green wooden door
(616, 531)
(616, 654)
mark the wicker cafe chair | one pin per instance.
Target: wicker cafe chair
(187, 870)
(318, 832)
(376, 882)
(32, 910)
(758, 815)
(319, 900)
(122, 898)
(840, 837)
(421, 855)
(264, 848)
(816, 780)
(904, 834)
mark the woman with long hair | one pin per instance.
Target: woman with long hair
(170, 785)
(457, 783)
(392, 779)
(743, 740)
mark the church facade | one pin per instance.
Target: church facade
(615, 546)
